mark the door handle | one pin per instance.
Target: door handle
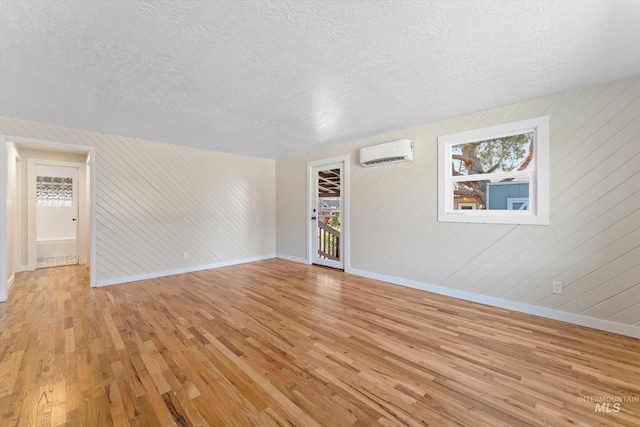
(73, 219)
(313, 218)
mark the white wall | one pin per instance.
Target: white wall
(156, 200)
(592, 244)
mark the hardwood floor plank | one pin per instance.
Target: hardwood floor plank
(275, 343)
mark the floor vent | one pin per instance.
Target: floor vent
(56, 261)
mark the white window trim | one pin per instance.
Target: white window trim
(538, 212)
(513, 200)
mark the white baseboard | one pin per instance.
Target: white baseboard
(577, 319)
(293, 258)
(11, 280)
(191, 269)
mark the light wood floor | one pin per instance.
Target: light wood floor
(279, 343)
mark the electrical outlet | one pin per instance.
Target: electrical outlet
(185, 254)
(556, 287)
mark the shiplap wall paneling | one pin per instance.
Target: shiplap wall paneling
(156, 200)
(592, 244)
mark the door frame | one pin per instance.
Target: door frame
(50, 146)
(19, 197)
(32, 215)
(344, 213)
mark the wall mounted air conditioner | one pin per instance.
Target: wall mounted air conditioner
(389, 152)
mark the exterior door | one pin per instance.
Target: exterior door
(327, 215)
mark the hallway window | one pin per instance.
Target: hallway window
(54, 191)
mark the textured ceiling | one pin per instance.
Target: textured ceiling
(276, 78)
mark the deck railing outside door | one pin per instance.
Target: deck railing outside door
(328, 242)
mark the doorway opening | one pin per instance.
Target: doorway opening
(327, 234)
(29, 237)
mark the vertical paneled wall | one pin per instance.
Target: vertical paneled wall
(156, 200)
(592, 244)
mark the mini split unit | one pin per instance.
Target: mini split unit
(389, 152)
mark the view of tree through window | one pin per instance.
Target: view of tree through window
(496, 174)
(502, 161)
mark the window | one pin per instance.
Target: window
(498, 174)
(54, 191)
(518, 203)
